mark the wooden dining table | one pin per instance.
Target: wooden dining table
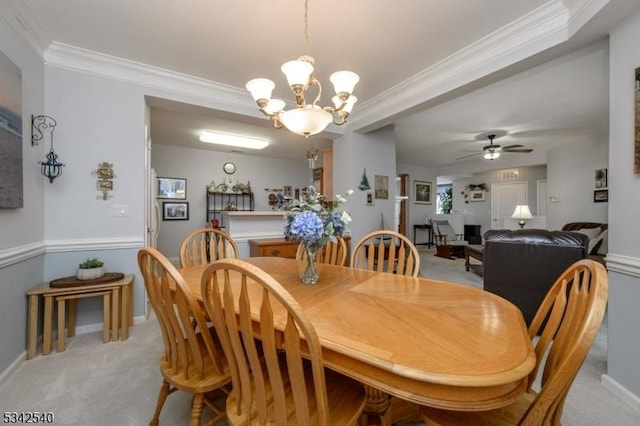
(425, 341)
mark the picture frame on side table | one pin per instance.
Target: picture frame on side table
(601, 196)
(175, 210)
(422, 192)
(171, 188)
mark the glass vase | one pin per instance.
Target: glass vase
(308, 266)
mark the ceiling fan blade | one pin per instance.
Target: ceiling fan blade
(508, 147)
(522, 150)
(467, 156)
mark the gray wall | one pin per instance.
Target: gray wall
(22, 230)
(200, 167)
(623, 260)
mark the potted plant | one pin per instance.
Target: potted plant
(90, 269)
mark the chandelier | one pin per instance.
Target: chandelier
(305, 119)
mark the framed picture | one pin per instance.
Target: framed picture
(104, 185)
(175, 211)
(288, 192)
(173, 188)
(601, 178)
(369, 198)
(477, 195)
(382, 187)
(601, 196)
(421, 192)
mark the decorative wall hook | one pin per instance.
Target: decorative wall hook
(51, 168)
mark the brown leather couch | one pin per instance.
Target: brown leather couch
(522, 265)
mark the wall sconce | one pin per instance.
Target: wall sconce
(51, 168)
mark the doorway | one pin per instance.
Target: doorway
(504, 199)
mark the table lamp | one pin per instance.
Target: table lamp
(522, 212)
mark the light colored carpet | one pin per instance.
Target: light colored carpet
(117, 383)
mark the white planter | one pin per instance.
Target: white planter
(90, 274)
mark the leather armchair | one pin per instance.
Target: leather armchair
(522, 265)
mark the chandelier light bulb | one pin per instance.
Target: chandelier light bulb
(260, 88)
(297, 72)
(344, 81)
(491, 155)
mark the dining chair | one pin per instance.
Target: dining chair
(264, 334)
(562, 332)
(206, 245)
(331, 253)
(388, 251)
(193, 360)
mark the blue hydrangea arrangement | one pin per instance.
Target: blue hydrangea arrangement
(313, 219)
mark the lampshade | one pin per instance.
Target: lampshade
(306, 121)
(260, 88)
(297, 72)
(522, 212)
(344, 81)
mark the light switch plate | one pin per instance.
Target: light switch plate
(119, 210)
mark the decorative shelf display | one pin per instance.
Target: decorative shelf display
(226, 198)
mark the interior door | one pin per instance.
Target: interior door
(504, 199)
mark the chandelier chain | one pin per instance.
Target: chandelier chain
(306, 28)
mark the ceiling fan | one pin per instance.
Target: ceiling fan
(493, 151)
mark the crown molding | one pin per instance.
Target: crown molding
(531, 34)
(205, 92)
(14, 12)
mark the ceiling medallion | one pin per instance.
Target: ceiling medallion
(305, 119)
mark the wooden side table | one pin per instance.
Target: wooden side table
(118, 310)
(473, 252)
(429, 230)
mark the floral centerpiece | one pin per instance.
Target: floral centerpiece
(312, 219)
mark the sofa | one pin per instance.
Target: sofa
(522, 265)
(598, 234)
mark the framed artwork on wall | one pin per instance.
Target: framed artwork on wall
(601, 178)
(422, 192)
(477, 195)
(382, 187)
(175, 211)
(171, 188)
(601, 196)
(11, 190)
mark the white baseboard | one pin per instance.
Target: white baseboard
(621, 392)
(22, 357)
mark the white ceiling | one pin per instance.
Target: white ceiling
(559, 95)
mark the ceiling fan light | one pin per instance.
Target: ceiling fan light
(260, 88)
(491, 155)
(306, 121)
(344, 81)
(297, 72)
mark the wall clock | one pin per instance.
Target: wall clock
(229, 168)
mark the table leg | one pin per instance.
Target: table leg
(32, 330)
(106, 316)
(61, 316)
(71, 318)
(376, 409)
(115, 313)
(48, 319)
(124, 312)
